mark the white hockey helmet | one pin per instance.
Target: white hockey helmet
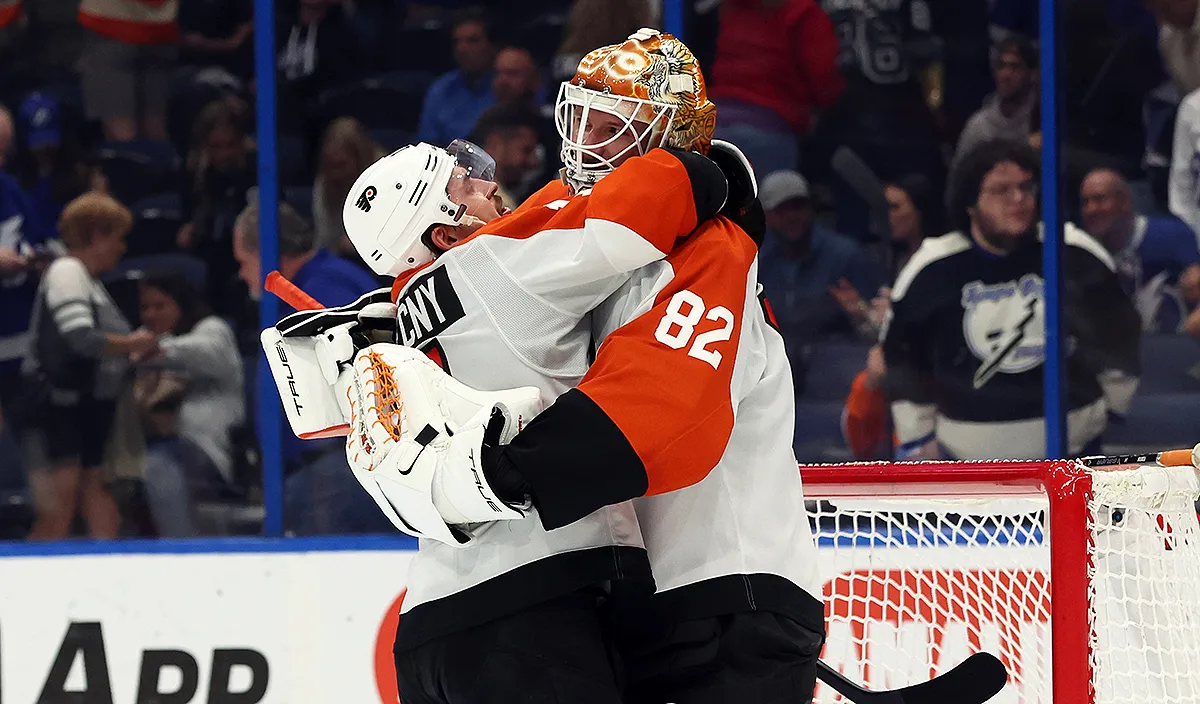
(398, 198)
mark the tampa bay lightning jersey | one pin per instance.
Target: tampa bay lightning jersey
(965, 346)
(1149, 267)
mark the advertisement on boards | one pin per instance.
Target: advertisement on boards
(200, 628)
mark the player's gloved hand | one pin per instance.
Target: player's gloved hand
(310, 354)
(739, 174)
(742, 205)
(417, 442)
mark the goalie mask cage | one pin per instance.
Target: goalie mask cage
(1085, 582)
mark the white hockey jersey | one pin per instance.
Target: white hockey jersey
(689, 405)
(509, 307)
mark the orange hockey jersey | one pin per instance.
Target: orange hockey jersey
(689, 405)
(510, 306)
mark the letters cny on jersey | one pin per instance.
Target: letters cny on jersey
(416, 438)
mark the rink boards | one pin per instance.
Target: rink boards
(312, 621)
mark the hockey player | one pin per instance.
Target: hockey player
(514, 616)
(965, 343)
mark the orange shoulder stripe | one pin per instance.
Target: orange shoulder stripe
(665, 378)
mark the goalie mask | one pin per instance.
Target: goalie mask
(651, 94)
(400, 197)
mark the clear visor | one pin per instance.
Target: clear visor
(477, 163)
(599, 131)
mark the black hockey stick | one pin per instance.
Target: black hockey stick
(974, 681)
(1169, 458)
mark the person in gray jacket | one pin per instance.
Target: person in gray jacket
(75, 369)
(1010, 112)
(191, 396)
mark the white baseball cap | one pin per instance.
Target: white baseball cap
(781, 186)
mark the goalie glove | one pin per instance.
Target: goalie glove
(417, 442)
(310, 354)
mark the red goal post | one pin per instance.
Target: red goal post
(959, 551)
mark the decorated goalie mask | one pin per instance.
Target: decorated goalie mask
(653, 85)
(398, 198)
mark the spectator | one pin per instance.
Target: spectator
(964, 347)
(217, 33)
(76, 370)
(776, 67)
(509, 135)
(49, 161)
(320, 494)
(518, 83)
(912, 214)
(126, 65)
(1009, 112)
(191, 394)
(1156, 257)
(456, 99)
(6, 135)
(23, 253)
(220, 170)
(592, 24)
(1179, 40)
(516, 79)
(886, 53)
(804, 265)
(319, 51)
(346, 151)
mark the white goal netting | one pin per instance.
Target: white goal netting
(920, 575)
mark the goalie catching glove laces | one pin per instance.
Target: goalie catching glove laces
(417, 437)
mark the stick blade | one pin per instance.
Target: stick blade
(975, 680)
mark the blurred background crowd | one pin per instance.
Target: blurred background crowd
(129, 259)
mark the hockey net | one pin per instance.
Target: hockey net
(1085, 582)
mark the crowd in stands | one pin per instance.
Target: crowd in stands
(129, 258)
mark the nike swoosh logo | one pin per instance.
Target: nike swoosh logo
(406, 472)
(426, 436)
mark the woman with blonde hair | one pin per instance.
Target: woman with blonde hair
(346, 151)
(76, 369)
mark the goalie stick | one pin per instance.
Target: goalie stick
(974, 681)
(290, 293)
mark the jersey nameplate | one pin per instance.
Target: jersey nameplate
(429, 306)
